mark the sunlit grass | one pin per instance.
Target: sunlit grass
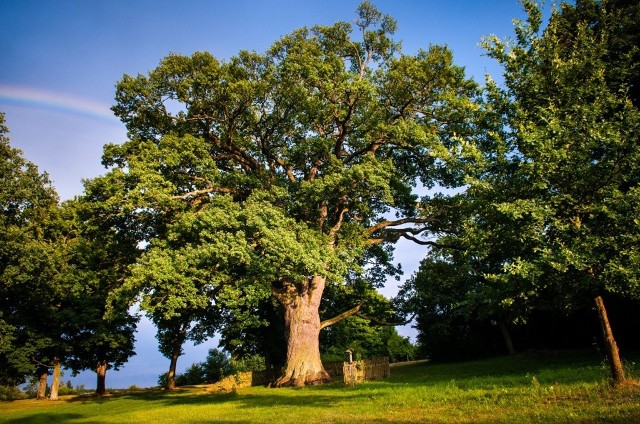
(556, 388)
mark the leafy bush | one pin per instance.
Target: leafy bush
(162, 379)
(248, 363)
(68, 389)
(11, 393)
(217, 366)
(193, 375)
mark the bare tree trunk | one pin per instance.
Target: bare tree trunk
(171, 376)
(56, 379)
(101, 373)
(302, 321)
(613, 355)
(43, 374)
(507, 338)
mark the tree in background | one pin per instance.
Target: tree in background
(255, 327)
(308, 152)
(367, 331)
(32, 293)
(57, 272)
(102, 336)
(461, 294)
(568, 135)
(215, 367)
(177, 298)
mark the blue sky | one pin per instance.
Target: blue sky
(61, 60)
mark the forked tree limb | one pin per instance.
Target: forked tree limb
(384, 224)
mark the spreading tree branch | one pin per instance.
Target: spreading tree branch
(384, 224)
(342, 316)
(210, 189)
(385, 323)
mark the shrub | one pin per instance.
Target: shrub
(248, 363)
(11, 393)
(216, 367)
(195, 374)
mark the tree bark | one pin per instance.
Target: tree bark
(43, 374)
(101, 373)
(56, 379)
(302, 330)
(507, 338)
(171, 376)
(611, 347)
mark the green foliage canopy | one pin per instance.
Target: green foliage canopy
(275, 167)
(551, 210)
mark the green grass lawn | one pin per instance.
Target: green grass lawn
(566, 387)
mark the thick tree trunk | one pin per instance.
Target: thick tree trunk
(101, 373)
(43, 374)
(56, 379)
(171, 376)
(613, 355)
(507, 338)
(302, 329)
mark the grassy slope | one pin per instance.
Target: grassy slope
(566, 387)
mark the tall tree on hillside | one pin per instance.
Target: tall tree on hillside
(31, 253)
(102, 336)
(571, 128)
(310, 151)
(176, 299)
(56, 274)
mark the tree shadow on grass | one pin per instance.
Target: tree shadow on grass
(309, 397)
(314, 396)
(44, 417)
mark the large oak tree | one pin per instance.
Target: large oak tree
(279, 171)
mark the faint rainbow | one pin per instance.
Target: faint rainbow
(60, 102)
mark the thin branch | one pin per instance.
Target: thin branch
(35, 361)
(430, 243)
(384, 224)
(381, 322)
(334, 230)
(314, 169)
(371, 148)
(287, 169)
(340, 317)
(210, 189)
(343, 127)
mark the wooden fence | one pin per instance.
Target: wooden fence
(241, 380)
(367, 370)
(351, 373)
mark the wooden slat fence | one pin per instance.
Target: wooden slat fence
(367, 370)
(356, 372)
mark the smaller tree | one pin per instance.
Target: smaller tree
(33, 290)
(177, 292)
(102, 336)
